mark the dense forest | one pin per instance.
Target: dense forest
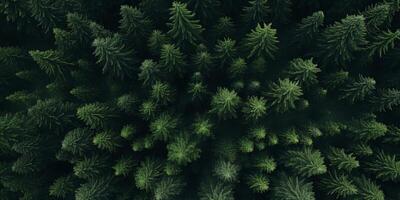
(200, 99)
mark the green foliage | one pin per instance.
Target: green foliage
(387, 99)
(339, 186)
(77, 141)
(124, 166)
(51, 62)
(226, 171)
(258, 183)
(309, 27)
(90, 167)
(133, 22)
(255, 108)
(147, 173)
(358, 89)
(368, 129)
(284, 94)
(199, 99)
(383, 42)
(214, 190)
(182, 150)
(149, 72)
(62, 187)
(95, 189)
(341, 160)
(343, 39)
(162, 93)
(386, 167)
(225, 50)
(262, 41)
(292, 188)
(114, 56)
(368, 189)
(163, 126)
(256, 12)
(107, 140)
(225, 103)
(168, 188)
(303, 71)
(306, 162)
(172, 58)
(185, 29)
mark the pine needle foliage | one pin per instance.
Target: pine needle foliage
(199, 99)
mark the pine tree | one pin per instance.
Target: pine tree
(343, 39)
(256, 12)
(342, 161)
(182, 150)
(309, 27)
(156, 40)
(358, 89)
(107, 140)
(306, 162)
(215, 190)
(226, 171)
(94, 189)
(386, 167)
(162, 93)
(367, 129)
(51, 62)
(90, 167)
(172, 59)
(339, 186)
(368, 189)
(95, 115)
(284, 94)
(133, 22)
(303, 71)
(377, 15)
(114, 56)
(77, 141)
(45, 12)
(225, 103)
(259, 183)
(255, 108)
(168, 188)
(383, 42)
(292, 188)
(124, 166)
(262, 41)
(163, 126)
(147, 174)
(225, 50)
(63, 187)
(184, 28)
(387, 99)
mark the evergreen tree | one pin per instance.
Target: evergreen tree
(225, 103)
(343, 39)
(284, 94)
(339, 186)
(303, 71)
(262, 41)
(114, 56)
(184, 28)
(386, 167)
(292, 188)
(359, 89)
(51, 62)
(309, 27)
(383, 42)
(305, 162)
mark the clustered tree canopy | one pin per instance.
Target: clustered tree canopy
(199, 99)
